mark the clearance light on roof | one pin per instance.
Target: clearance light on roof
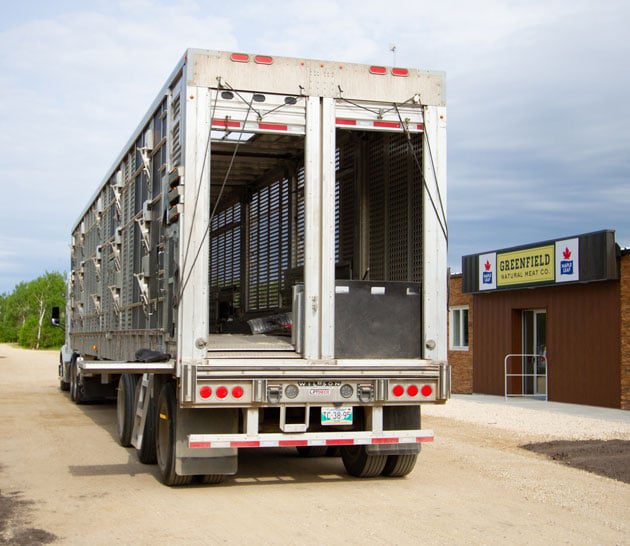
(381, 70)
(239, 57)
(400, 72)
(263, 59)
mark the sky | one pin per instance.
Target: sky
(538, 96)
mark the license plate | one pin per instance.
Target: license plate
(336, 416)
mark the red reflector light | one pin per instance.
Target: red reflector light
(398, 390)
(412, 390)
(378, 70)
(420, 126)
(225, 123)
(426, 390)
(273, 126)
(205, 392)
(263, 59)
(400, 72)
(239, 57)
(387, 124)
(237, 392)
(341, 121)
(222, 392)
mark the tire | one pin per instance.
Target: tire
(399, 465)
(211, 479)
(146, 454)
(358, 463)
(77, 391)
(311, 451)
(63, 385)
(126, 407)
(165, 438)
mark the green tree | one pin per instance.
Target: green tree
(24, 314)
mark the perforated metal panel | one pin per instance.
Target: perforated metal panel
(268, 244)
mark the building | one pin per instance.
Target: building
(561, 308)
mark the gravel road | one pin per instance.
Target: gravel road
(64, 479)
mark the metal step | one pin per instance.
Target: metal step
(244, 342)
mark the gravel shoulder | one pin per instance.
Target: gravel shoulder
(474, 484)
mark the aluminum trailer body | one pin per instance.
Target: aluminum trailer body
(265, 265)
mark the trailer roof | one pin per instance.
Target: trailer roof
(293, 76)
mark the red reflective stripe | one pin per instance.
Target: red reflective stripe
(424, 439)
(378, 70)
(384, 440)
(245, 443)
(273, 126)
(420, 126)
(225, 123)
(388, 124)
(341, 442)
(400, 72)
(342, 121)
(263, 59)
(239, 57)
(199, 444)
(293, 443)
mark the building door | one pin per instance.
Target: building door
(534, 343)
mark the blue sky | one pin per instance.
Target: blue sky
(538, 98)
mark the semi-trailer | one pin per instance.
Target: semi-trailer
(264, 265)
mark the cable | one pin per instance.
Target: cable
(441, 219)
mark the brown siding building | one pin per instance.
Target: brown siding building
(578, 331)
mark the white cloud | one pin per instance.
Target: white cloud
(537, 94)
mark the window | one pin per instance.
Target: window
(459, 328)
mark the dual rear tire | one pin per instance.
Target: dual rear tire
(361, 464)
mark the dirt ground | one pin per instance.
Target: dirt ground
(64, 479)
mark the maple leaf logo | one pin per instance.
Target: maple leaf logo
(566, 253)
(487, 265)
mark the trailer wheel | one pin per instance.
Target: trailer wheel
(77, 391)
(399, 465)
(211, 478)
(360, 464)
(311, 451)
(146, 453)
(166, 436)
(126, 407)
(63, 385)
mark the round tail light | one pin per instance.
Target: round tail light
(222, 392)
(205, 392)
(398, 390)
(412, 390)
(237, 392)
(426, 390)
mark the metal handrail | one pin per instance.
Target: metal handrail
(535, 375)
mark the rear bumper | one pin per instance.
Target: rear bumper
(389, 437)
(371, 384)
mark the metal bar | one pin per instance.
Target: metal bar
(535, 375)
(208, 441)
(108, 366)
(312, 229)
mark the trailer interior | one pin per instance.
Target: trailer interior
(257, 227)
